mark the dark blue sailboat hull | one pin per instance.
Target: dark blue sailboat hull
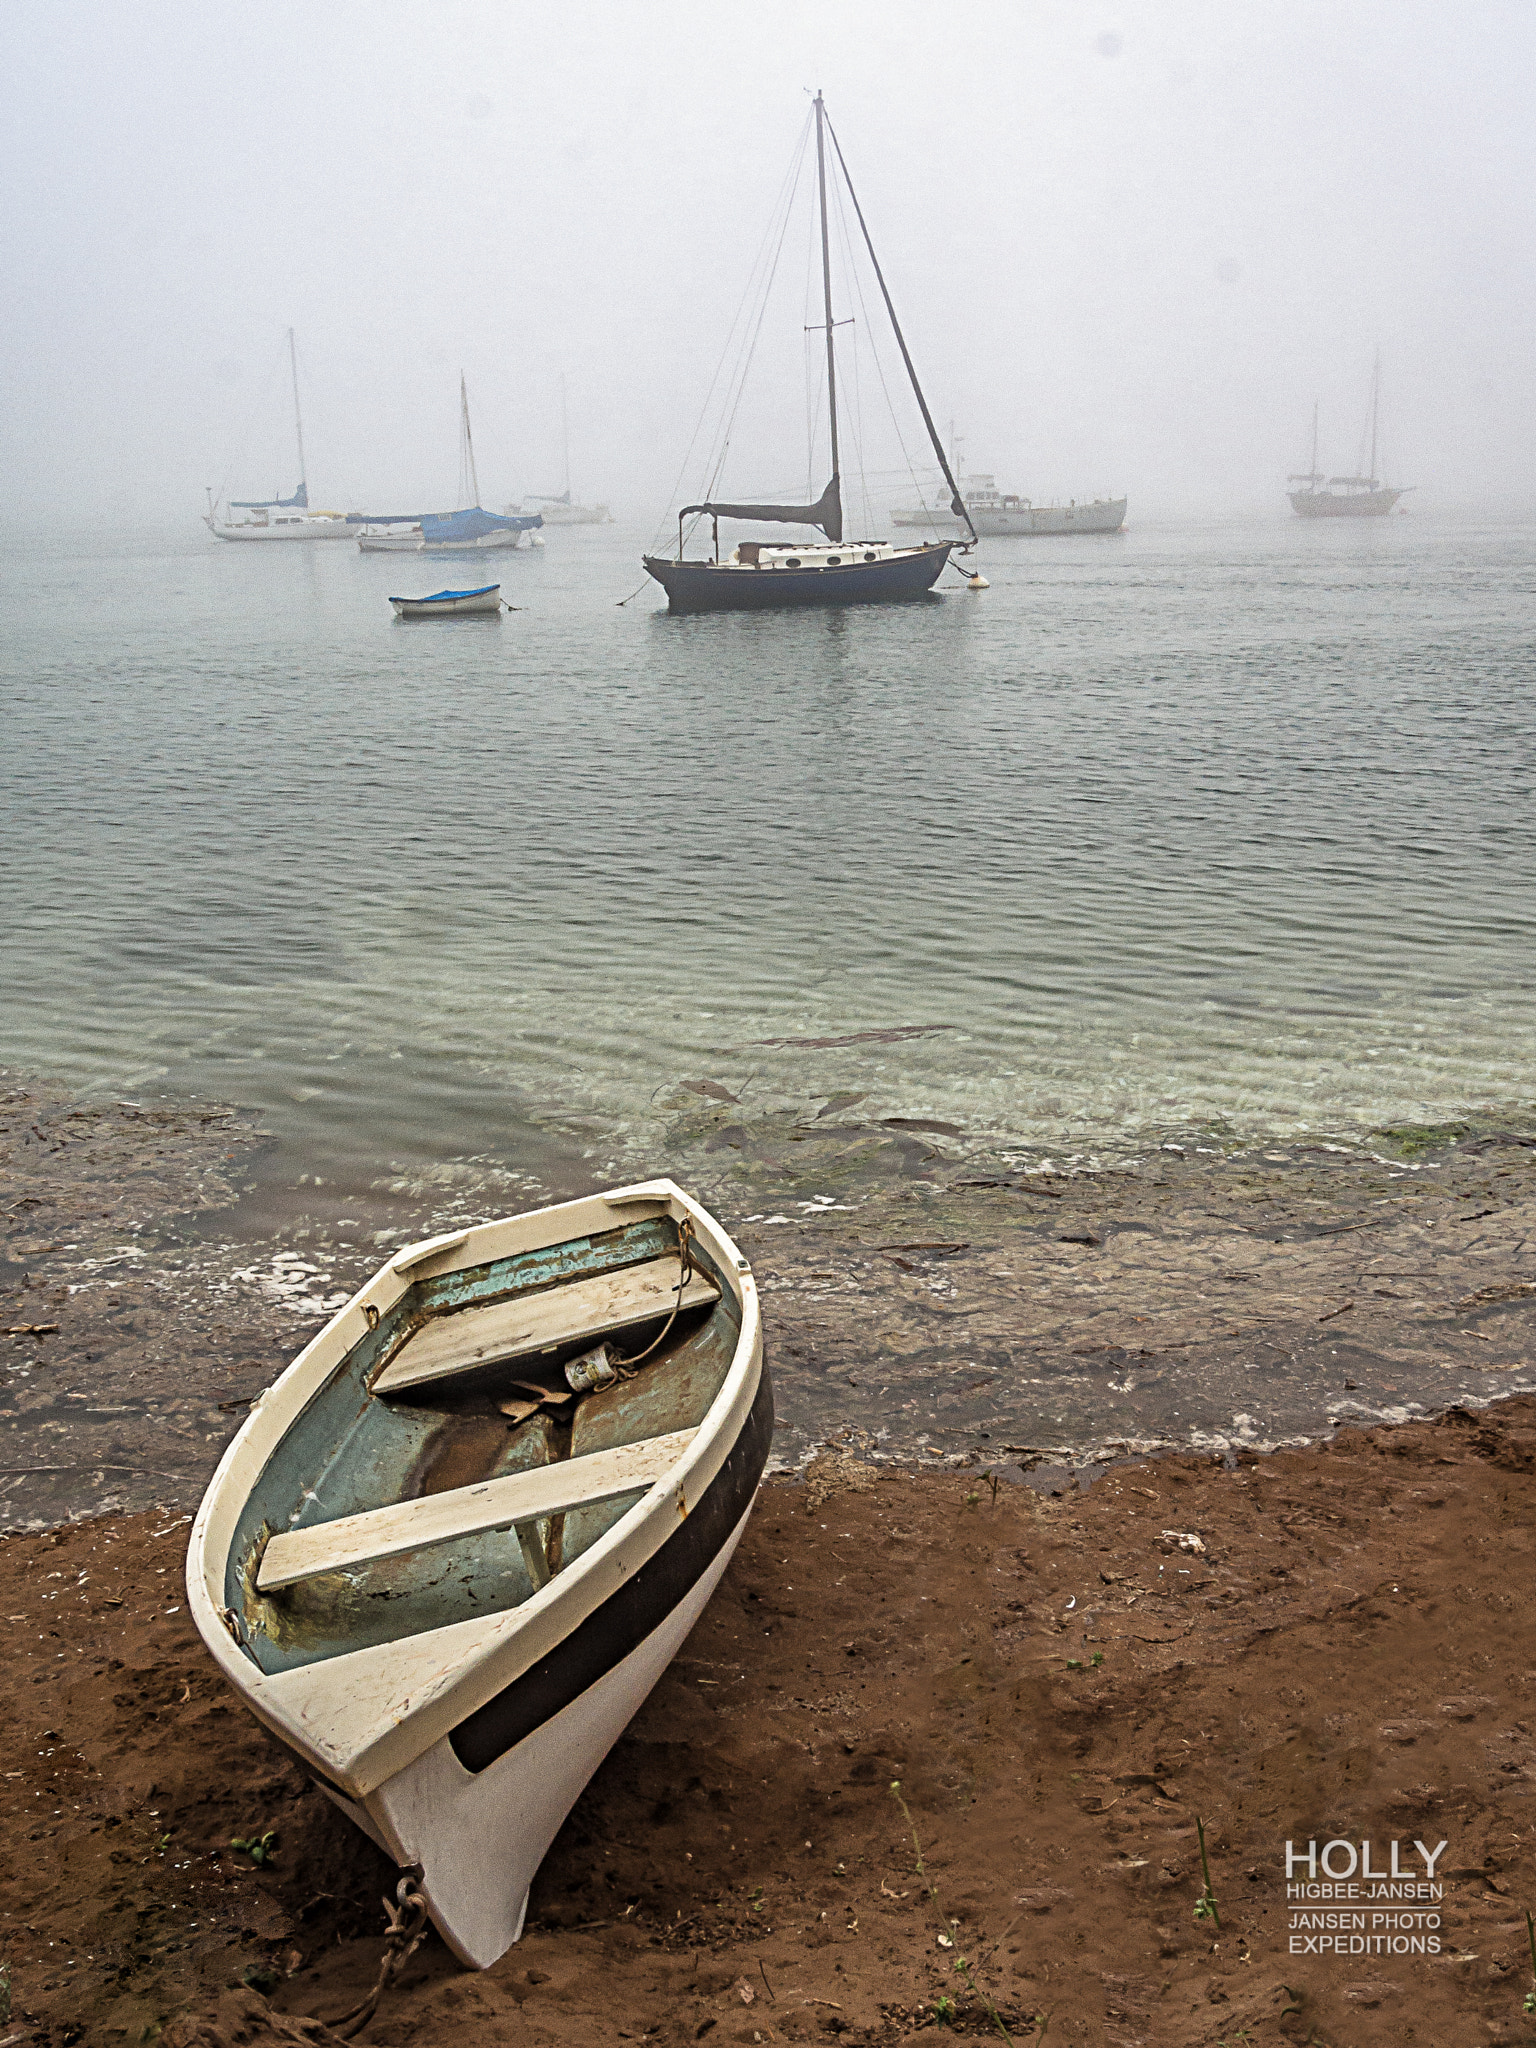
(721, 587)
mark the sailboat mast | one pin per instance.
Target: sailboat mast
(565, 436)
(1375, 409)
(298, 422)
(957, 504)
(469, 439)
(1314, 440)
(826, 282)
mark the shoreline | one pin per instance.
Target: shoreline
(1064, 1665)
(923, 1302)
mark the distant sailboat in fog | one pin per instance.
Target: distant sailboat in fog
(279, 518)
(470, 530)
(562, 510)
(1346, 497)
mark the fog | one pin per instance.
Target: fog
(1130, 245)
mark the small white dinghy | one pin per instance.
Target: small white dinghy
(459, 1540)
(447, 604)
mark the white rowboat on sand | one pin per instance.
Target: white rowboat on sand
(459, 1540)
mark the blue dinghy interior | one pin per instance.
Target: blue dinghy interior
(462, 1383)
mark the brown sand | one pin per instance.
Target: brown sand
(1349, 1655)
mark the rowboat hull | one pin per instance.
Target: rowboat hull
(450, 604)
(725, 586)
(451, 1666)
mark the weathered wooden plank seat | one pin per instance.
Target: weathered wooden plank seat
(505, 1330)
(352, 1540)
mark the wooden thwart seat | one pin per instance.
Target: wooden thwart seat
(352, 1540)
(505, 1330)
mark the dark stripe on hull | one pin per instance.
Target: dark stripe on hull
(640, 1606)
(700, 587)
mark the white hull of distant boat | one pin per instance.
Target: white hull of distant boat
(413, 544)
(449, 604)
(457, 1543)
(996, 514)
(307, 526)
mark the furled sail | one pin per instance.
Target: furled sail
(473, 524)
(827, 512)
(300, 499)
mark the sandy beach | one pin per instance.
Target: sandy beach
(1319, 1644)
(1072, 1603)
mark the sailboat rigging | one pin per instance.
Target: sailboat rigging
(471, 530)
(763, 574)
(563, 510)
(279, 518)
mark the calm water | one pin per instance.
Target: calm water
(1198, 822)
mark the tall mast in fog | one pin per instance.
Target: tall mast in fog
(765, 574)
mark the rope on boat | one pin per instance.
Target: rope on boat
(685, 1272)
(407, 1930)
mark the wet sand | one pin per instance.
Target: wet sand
(1062, 1689)
(924, 1298)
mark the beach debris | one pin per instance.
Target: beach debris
(1503, 1290)
(1185, 1539)
(1078, 1237)
(836, 1471)
(715, 1091)
(923, 1123)
(836, 1104)
(746, 1992)
(889, 1036)
(31, 1329)
(260, 1848)
(1205, 1906)
(927, 1244)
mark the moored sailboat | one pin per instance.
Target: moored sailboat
(565, 510)
(1346, 497)
(279, 518)
(762, 575)
(471, 530)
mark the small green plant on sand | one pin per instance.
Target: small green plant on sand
(944, 2011)
(961, 1966)
(260, 1848)
(1205, 1905)
(1529, 2007)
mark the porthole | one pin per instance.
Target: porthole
(792, 562)
(834, 561)
(869, 558)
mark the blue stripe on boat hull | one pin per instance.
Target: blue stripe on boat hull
(702, 587)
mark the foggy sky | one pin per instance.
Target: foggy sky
(1130, 243)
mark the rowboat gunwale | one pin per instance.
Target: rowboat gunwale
(359, 1718)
